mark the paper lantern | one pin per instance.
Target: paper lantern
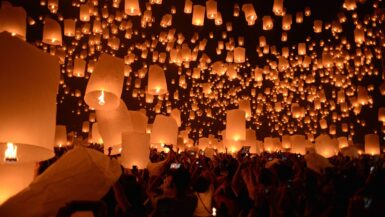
(86, 127)
(105, 85)
(79, 67)
(96, 137)
(239, 54)
(350, 5)
(278, 7)
(251, 140)
(14, 178)
(298, 144)
(27, 105)
(188, 5)
(198, 18)
(381, 115)
(359, 36)
(132, 8)
(211, 6)
(60, 136)
(157, 84)
(267, 23)
(13, 20)
(302, 49)
(286, 142)
(235, 125)
(230, 145)
(323, 124)
(342, 142)
(84, 13)
(139, 121)
(271, 144)
(175, 113)
(286, 22)
(111, 124)
(325, 146)
(52, 32)
(135, 150)
(53, 6)
(250, 14)
(317, 27)
(204, 143)
(164, 131)
(69, 27)
(372, 144)
(245, 106)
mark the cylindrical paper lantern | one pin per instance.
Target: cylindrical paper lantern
(132, 8)
(342, 142)
(164, 131)
(52, 32)
(14, 21)
(267, 23)
(251, 140)
(111, 124)
(60, 136)
(27, 99)
(211, 6)
(286, 142)
(105, 85)
(298, 144)
(198, 18)
(236, 125)
(250, 14)
(157, 84)
(272, 144)
(139, 121)
(278, 7)
(245, 106)
(239, 54)
(14, 178)
(69, 27)
(381, 115)
(175, 113)
(79, 67)
(325, 146)
(135, 150)
(372, 144)
(96, 137)
(84, 14)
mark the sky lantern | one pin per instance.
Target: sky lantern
(157, 84)
(302, 49)
(268, 23)
(86, 127)
(372, 144)
(381, 115)
(198, 18)
(60, 136)
(350, 5)
(84, 13)
(235, 125)
(105, 85)
(188, 5)
(111, 124)
(79, 67)
(359, 36)
(272, 144)
(175, 113)
(135, 150)
(245, 106)
(139, 121)
(250, 14)
(132, 8)
(28, 105)
(317, 27)
(342, 142)
(286, 142)
(69, 27)
(326, 146)
(14, 21)
(230, 145)
(211, 6)
(286, 22)
(298, 144)
(239, 54)
(164, 131)
(251, 141)
(278, 9)
(95, 134)
(203, 143)
(52, 32)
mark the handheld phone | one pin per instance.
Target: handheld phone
(245, 150)
(192, 153)
(175, 166)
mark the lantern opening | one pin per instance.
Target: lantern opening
(10, 154)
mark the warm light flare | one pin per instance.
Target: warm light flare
(101, 99)
(10, 154)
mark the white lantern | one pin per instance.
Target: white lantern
(132, 8)
(96, 137)
(175, 113)
(267, 23)
(211, 6)
(272, 144)
(157, 84)
(250, 14)
(245, 106)
(372, 144)
(135, 150)
(298, 144)
(105, 85)
(13, 20)
(139, 121)
(236, 125)
(278, 7)
(342, 142)
(27, 99)
(69, 27)
(79, 67)
(325, 146)
(239, 54)
(52, 32)
(164, 131)
(286, 142)
(60, 136)
(381, 115)
(198, 18)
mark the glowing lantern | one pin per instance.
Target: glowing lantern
(27, 105)
(105, 85)
(359, 36)
(372, 144)
(135, 150)
(271, 144)
(84, 14)
(13, 20)
(342, 142)
(211, 6)
(381, 115)
(111, 124)
(350, 5)
(164, 131)
(299, 17)
(286, 143)
(86, 127)
(317, 26)
(60, 136)
(239, 54)
(267, 23)
(251, 140)
(52, 32)
(245, 106)
(96, 137)
(323, 124)
(198, 18)
(175, 113)
(14, 178)
(325, 146)
(156, 81)
(204, 143)
(302, 49)
(131, 7)
(286, 22)
(79, 67)
(236, 125)
(278, 7)
(250, 14)
(188, 5)
(139, 121)
(69, 27)
(53, 6)
(298, 144)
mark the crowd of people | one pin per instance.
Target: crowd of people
(279, 184)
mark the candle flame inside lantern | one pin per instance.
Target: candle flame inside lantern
(10, 153)
(101, 99)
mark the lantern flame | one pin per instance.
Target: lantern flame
(101, 99)
(10, 154)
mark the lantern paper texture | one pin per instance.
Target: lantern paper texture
(372, 144)
(164, 131)
(236, 125)
(27, 105)
(135, 150)
(60, 135)
(13, 20)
